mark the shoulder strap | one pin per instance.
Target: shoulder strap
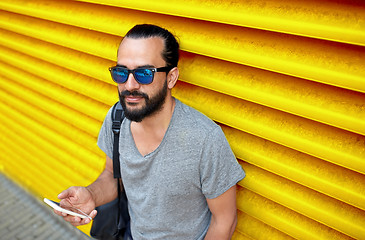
(117, 118)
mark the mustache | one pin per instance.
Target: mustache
(127, 93)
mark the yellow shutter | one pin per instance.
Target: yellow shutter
(284, 79)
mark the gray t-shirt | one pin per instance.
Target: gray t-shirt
(167, 188)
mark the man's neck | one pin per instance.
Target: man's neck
(159, 121)
(149, 133)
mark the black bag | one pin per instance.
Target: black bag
(112, 220)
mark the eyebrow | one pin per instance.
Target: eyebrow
(143, 66)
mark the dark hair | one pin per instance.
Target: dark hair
(171, 51)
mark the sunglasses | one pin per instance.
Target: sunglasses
(142, 75)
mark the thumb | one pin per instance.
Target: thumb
(66, 193)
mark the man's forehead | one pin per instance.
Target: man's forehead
(142, 41)
(141, 50)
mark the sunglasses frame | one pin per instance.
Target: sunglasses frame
(160, 69)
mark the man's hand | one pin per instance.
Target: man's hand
(101, 191)
(78, 197)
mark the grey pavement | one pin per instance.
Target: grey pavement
(22, 216)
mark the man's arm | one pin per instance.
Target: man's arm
(224, 215)
(104, 188)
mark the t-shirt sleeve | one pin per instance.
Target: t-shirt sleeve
(219, 168)
(106, 138)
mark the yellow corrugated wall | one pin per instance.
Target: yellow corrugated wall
(285, 79)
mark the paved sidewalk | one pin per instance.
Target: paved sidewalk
(29, 218)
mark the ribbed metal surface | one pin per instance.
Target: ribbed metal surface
(285, 79)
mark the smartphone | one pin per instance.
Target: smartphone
(69, 210)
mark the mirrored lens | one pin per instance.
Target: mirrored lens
(143, 76)
(119, 75)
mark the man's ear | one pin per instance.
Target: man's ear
(172, 77)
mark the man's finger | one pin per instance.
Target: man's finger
(75, 221)
(62, 214)
(93, 214)
(88, 220)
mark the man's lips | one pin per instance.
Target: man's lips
(133, 98)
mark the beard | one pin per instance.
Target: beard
(152, 104)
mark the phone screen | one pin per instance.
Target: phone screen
(69, 210)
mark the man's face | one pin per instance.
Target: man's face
(138, 100)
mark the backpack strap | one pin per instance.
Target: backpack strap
(123, 215)
(117, 118)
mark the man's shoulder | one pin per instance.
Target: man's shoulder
(194, 119)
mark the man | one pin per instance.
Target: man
(177, 168)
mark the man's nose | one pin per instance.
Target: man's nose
(131, 83)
